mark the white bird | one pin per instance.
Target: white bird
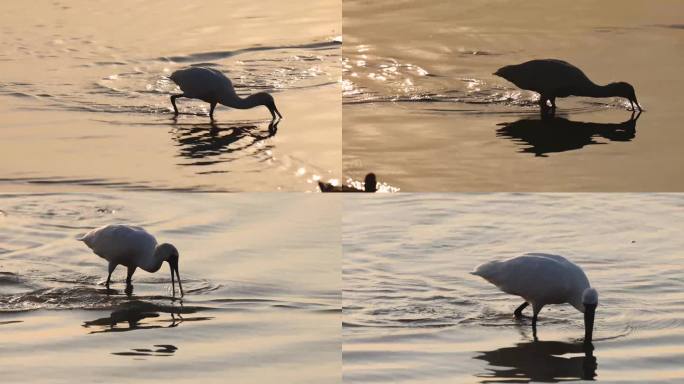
(214, 87)
(133, 247)
(543, 279)
(553, 78)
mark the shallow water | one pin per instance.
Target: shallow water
(85, 84)
(260, 274)
(413, 313)
(423, 110)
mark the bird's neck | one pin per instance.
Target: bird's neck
(235, 101)
(595, 90)
(153, 263)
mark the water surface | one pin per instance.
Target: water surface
(260, 274)
(84, 95)
(413, 313)
(423, 110)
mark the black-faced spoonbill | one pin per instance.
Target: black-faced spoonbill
(543, 279)
(556, 78)
(133, 247)
(214, 87)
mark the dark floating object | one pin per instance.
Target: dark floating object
(370, 184)
(553, 78)
(214, 87)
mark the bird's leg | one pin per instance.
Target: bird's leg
(173, 102)
(518, 312)
(535, 311)
(211, 110)
(542, 102)
(129, 286)
(111, 269)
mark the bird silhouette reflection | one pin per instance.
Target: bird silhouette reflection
(131, 315)
(211, 143)
(539, 361)
(557, 134)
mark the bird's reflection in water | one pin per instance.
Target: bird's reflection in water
(135, 315)
(557, 134)
(212, 142)
(539, 361)
(158, 350)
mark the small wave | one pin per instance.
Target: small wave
(120, 185)
(218, 55)
(81, 292)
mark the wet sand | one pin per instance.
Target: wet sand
(423, 110)
(412, 313)
(85, 100)
(260, 274)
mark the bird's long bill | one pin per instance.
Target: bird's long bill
(179, 282)
(174, 268)
(589, 313)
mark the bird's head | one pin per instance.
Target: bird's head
(623, 89)
(265, 99)
(370, 184)
(169, 253)
(590, 301)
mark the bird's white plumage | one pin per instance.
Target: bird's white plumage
(538, 278)
(123, 244)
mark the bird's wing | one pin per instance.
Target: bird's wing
(202, 83)
(547, 76)
(120, 242)
(557, 258)
(569, 76)
(534, 277)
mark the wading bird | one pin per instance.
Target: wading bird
(133, 247)
(543, 279)
(214, 87)
(556, 78)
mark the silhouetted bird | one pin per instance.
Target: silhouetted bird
(556, 78)
(214, 87)
(370, 184)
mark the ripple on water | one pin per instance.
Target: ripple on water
(142, 86)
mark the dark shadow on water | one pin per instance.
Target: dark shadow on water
(159, 350)
(212, 142)
(539, 361)
(556, 134)
(136, 315)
